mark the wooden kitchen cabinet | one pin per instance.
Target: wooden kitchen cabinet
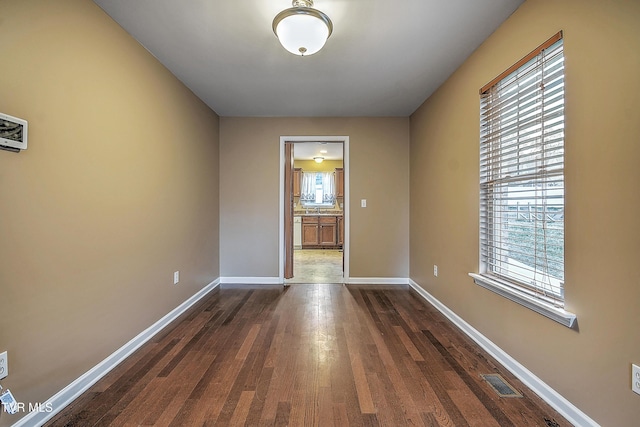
(327, 235)
(321, 231)
(340, 224)
(339, 182)
(297, 181)
(309, 232)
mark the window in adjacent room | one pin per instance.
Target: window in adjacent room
(318, 189)
(522, 182)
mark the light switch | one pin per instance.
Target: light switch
(363, 203)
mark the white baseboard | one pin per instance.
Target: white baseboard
(349, 280)
(250, 280)
(549, 395)
(68, 394)
(377, 281)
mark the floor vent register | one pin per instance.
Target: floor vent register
(500, 385)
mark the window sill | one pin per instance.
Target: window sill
(554, 313)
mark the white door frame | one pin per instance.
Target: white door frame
(345, 162)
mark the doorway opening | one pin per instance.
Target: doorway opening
(314, 210)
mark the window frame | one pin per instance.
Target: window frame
(319, 191)
(544, 296)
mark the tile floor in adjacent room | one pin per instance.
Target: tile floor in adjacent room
(317, 266)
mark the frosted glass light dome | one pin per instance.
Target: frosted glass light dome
(302, 30)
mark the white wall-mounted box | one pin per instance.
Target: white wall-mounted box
(13, 132)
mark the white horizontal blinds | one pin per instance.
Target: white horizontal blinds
(522, 178)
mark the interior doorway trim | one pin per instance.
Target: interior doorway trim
(346, 209)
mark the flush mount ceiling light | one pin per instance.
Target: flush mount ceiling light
(301, 29)
(318, 159)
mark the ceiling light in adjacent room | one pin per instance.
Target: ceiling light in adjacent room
(318, 159)
(301, 29)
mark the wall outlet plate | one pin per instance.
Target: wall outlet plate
(635, 378)
(435, 270)
(176, 277)
(9, 403)
(4, 365)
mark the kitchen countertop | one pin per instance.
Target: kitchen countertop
(328, 212)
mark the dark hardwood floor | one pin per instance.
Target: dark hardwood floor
(307, 355)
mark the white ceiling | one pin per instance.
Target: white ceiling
(309, 150)
(384, 57)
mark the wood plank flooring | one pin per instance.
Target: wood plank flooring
(307, 355)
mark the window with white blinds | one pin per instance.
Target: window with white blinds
(522, 176)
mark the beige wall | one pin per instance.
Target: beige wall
(97, 214)
(591, 366)
(117, 190)
(379, 158)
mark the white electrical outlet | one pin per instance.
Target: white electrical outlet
(435, 270)
(176, 277)
(4, 365)
(635, 378)
(8, 402)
